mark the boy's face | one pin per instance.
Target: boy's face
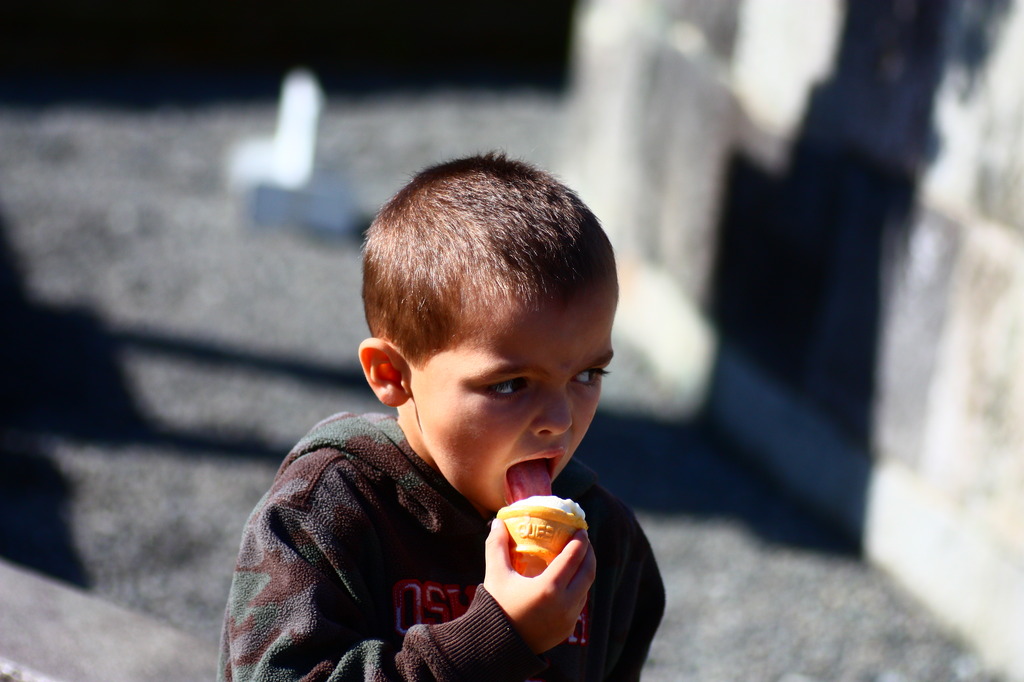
(525, 387)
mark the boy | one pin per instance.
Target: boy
(490, 291)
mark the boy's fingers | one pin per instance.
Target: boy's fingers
(575, 564)
(573, 559)
(497, 544)
(587, 570)
(497, 528)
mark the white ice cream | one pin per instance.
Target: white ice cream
(568, 506)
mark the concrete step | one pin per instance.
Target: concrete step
(52, 632)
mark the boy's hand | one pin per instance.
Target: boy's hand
(543, 609)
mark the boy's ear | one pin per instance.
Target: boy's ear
(386, 371)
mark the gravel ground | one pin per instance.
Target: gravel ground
(168, 354)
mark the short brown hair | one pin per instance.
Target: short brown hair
(469, 234)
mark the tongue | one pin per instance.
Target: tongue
(527, 479)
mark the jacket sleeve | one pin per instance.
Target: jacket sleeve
(295, 614)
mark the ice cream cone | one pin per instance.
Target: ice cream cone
(539, 533)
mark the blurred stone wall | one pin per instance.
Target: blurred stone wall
(819, 211)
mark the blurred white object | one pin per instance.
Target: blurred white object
(285, 160)
(278, 175)
(297, 118)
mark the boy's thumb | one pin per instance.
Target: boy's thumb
(497, 545)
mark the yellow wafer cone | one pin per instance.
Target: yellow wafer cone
(540, 533)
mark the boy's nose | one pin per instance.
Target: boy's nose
(555, 414)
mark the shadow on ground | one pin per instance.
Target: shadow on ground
(62, 378)
(682, 468)
(33, 515)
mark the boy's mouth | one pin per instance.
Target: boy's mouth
(526, 479)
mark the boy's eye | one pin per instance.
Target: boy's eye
(508, 387)
(591, 376)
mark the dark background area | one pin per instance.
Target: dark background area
(150, 52)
